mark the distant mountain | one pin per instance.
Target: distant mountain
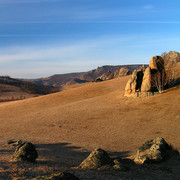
(59, 80)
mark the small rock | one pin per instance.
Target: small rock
(96, 159)
(119, 165)
(25, 151)
(153, 150)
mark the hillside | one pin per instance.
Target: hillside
(68, 124)
(59, 80)
(12, 89)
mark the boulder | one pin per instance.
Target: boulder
(106, 76)
(58, 176)
(156, 63)
(122, 72)
(25, 151)
(96, 159)
(133, 85)
(111, 75)
(143, 81)
(154, 150)
(146, 83)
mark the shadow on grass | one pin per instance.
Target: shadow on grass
(52, 158)
(62, 154)
(5, 151)
(60, 157)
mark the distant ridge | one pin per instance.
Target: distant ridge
(59, 80)
(25, 86)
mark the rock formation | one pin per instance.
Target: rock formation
(96, 159)
(122, 72)
(25, 151)
(146, 82)
(111, 75)
(142, 80)
(156, 63)
(153, 150)
(171, 57)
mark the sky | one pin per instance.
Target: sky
(39, 38)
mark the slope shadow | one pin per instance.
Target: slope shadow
(52, 158)
(62, 154)
(5, 151)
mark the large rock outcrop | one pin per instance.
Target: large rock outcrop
(155, 150)
(142, 81)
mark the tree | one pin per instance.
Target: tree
(170, 73)
(163, 54)
(159, 80)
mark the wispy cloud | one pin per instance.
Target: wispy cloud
(86, 22)
(44, 60)
(26, 1)
(148, 6)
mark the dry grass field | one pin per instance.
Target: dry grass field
(66, 126)
(9, 93)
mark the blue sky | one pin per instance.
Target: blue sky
(39, 38)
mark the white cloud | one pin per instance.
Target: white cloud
(44, 60)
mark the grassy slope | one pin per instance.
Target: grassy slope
(93, 115)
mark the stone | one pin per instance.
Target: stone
(58, 176)
(154, 150)
(122, 72)
(146, 82)
(96, 159)
(25, 151)
(156, 63)
(133, 85)
(119, 165)
(111, 75)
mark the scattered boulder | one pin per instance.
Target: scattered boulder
(154, 150)
(58, 176)
(107, 76)
(96, 159)
(25, 151)
(122, 72)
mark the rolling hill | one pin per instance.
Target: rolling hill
(59, 80)
(65, 126)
